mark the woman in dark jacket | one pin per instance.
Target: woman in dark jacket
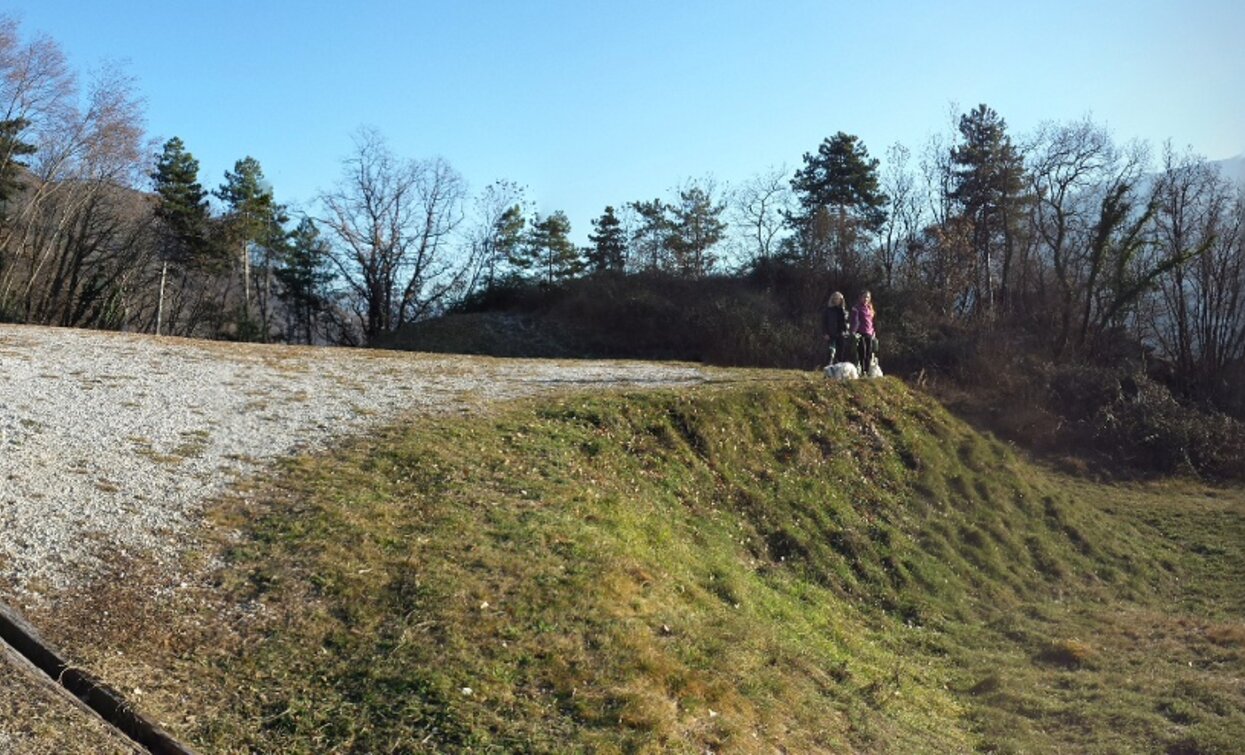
(834, 327)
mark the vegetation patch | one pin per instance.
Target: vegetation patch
(791, 565)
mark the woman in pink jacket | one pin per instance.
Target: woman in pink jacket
(862, 326)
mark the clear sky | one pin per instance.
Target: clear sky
(590, 103)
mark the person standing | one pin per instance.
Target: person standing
(863, 326)
(834, 328)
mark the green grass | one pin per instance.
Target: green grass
(795, 566)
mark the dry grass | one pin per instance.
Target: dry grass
(37, 719)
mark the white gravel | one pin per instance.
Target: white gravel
(109, 443)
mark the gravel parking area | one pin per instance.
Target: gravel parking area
(109, 443)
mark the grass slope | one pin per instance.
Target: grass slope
(790, 565)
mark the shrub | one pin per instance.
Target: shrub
(1141, 422)
(1066, 653)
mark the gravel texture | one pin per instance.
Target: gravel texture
(110, 443)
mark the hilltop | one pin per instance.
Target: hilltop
(1122, 408)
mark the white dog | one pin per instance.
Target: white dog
(875, 369)
(842, 371)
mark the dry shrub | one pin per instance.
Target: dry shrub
(1066, 653)
(1157, 432)
(716, 319)
(1227, 634)
(1124, 416)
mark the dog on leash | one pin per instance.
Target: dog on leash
(875, 369)
(842, 371)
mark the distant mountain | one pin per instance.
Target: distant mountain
(1233, 169)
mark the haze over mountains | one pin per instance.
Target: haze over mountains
(1233, 169)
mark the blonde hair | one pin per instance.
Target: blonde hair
(836, 299)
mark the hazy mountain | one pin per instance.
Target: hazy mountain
(1233, 169)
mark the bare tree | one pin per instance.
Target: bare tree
(902, 226)
(495, 230)
(36, 91)
(1068, 164)
(941, 259)
(36, 85)
(389, 222)
(1218, 286)
(1088, 213)
(759, 207)
(80, 240)
(938, 172)
(941, 256)
(1197, 317)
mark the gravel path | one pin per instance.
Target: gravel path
(110, 442)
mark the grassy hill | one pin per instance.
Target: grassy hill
(1116, 403)
(773, 564)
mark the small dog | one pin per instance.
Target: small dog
(875, 369)
(842, 371)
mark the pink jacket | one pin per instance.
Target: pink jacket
(862, 320)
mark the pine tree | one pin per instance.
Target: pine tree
(506, 237)
(609, 243)
(12, 149)
(182, 213)
(650, 239)
(839, 197)
(988, 184)
(248, 200)
(549, 250)
(182, 207)
(253, 219)
(696, 226)
(304, 275)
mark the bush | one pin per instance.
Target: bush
(723, 320)
(1140, 422)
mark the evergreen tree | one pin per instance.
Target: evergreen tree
(696, 225)
(304, 275)
(548, 249)
(248, 201)
(253, 220)
(184, 222)
(988, 183)
(182, 207)
(12, 150)
(651, 237)
(609, 243)
(839, 197)
(507, 236)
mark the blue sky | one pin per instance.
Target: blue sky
(589, 104)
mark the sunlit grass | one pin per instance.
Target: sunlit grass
(792, 565)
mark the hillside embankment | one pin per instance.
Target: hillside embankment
(766, 562)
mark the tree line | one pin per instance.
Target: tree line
(1083, 240)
